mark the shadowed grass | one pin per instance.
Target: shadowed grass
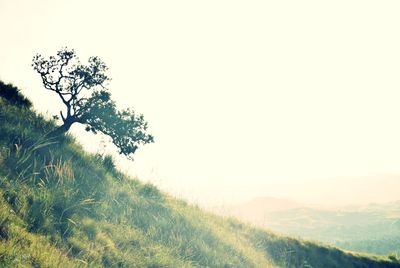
(62, 207)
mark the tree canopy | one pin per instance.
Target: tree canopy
(87, 101)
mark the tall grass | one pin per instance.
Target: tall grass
(62, 207)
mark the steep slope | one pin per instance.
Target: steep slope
(62, 207)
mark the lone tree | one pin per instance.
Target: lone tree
(87, 101)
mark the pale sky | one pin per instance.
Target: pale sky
(244, 98)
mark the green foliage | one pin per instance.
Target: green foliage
(61, 207)
(87, 101)
(126, 129)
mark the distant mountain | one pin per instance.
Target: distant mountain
(373, 228)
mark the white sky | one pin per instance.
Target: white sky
(244, 98)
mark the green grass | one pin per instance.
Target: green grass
(63, 207)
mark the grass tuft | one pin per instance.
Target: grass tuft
(63, 207)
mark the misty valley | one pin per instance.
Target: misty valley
(373, 228)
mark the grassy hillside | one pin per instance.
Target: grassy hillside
(62, 207)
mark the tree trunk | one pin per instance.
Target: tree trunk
(63, 128)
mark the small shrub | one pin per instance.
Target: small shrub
(13, 95)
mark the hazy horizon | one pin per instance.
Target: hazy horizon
(290, 99)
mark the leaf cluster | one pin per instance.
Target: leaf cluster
(126, 129)
(87, 101)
